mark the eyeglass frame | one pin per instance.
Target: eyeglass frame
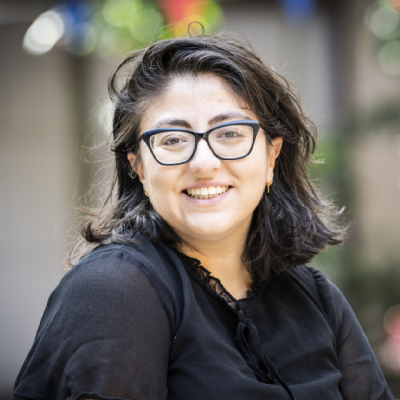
(145, 136)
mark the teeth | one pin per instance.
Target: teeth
(207, 192)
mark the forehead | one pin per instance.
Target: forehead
(195, 99)
(200, 85)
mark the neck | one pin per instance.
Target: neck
(223, 258)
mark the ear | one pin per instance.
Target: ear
(136, 166)
(273, 152)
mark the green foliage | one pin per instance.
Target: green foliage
(121, 26)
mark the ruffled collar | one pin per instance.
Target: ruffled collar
(214, 287)
(247, 336)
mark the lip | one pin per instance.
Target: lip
(206, 202)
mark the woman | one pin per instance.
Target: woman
(191, 281)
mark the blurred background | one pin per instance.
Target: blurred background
(55, 59)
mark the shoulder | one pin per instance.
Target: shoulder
(314, 281)
(104, 265)
(325, 294)
(119, 277)
(121, 266)
(113, 314)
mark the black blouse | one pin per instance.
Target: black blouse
(146, 323)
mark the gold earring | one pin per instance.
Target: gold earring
(145, 191)
(269, 184)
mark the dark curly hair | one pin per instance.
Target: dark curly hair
(290, 225)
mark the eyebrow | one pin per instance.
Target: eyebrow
(181, 123)
(223, 117)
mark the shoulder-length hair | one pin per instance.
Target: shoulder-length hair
(290, 225)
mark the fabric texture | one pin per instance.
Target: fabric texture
(144, 322)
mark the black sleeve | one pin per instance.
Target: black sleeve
(362, 378)
(106, 333)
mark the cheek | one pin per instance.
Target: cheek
(161, 185)
(257, 170)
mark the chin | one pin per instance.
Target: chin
(207, 229)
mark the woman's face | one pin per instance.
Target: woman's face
(198, 104)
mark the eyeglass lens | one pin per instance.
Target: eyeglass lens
(232, 141)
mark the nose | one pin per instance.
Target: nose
(204, 161)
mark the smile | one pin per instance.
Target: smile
(206, 192)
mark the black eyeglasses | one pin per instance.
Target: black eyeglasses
(228, 141)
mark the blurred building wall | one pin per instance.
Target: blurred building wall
(376, 159)
(38, 175)
(301, 52)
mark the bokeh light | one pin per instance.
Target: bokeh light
(395, 4)
(389, 58)
(119, 13)
(146, 26)
(298, 11)
(44, 33)
(384, 21)
(83, 39)
(180, 13)
(391, 321)
(390, 353)
(390, 350)
(115, 27)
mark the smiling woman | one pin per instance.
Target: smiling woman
(234, 159)
(190, 282)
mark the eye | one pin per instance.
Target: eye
(229, 133)
(171, 141)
